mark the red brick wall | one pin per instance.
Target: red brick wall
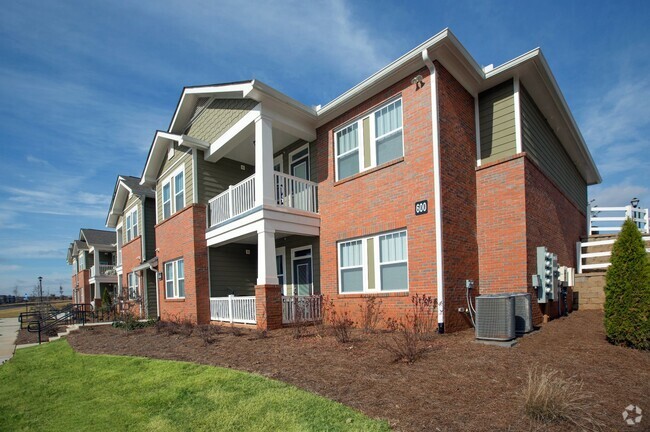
(84, 286)
(183, 236)
(131, 258)
(458, 184)
(382, 199)
(552, 220)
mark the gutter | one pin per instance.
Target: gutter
(437, 190)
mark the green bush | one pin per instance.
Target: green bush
(106, 298)
(627, 291)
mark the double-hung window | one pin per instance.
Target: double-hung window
(132, 224)
(173, 194)
(369, 141)
(374, 264)
(134, 283)
(175, 279)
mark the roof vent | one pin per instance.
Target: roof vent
(488, 68)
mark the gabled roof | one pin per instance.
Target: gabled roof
(531, 68)
(95, 237)
(124, 186)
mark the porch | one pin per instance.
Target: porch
(287, 291)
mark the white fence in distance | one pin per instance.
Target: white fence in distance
(608, 220)
(233, 309)
(583, 256)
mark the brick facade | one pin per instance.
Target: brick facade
(80, 283)
(131, 258)
(381, 199)
(268, 305)
(183, 236)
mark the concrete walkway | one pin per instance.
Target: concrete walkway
(8, 331)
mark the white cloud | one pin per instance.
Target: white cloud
(9, 267)
(620, 194)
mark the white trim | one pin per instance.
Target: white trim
(517, 102)
(279, 160)
(226, 142)
(477, 127)
(311, 264)
(175, 166)
(435, 132)
(174, 280)
(195, 176)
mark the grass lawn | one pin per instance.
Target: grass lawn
(53, 388)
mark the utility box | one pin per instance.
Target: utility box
(548, 273)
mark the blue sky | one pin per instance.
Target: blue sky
(84, 85)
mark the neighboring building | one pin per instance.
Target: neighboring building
(132, 215)
(93, 259)
(430, 172)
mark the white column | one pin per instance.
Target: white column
(266, 271)
(264, 193)
(96, 260)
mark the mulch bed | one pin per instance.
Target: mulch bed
(25, 337)
(457, 385)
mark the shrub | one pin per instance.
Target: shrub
(340, 322)
(371, 314)
(627, 291)
(424, 315)
(128, 322)
(106, 299)
(207, 333)
(549, 398)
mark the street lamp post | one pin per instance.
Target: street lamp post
(40, 289)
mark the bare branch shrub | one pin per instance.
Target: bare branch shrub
(550, 398)
(371, 314)
(339, 321)
(207, 333)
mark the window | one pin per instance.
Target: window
(369, 141)
(134, 285)
(132, 224)
(175, 279)
(173, 187)
(373, 264)
(82, 261)
(299, 162)
(351, 264)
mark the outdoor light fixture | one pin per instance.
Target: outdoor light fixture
(634, 202)
(417, 81)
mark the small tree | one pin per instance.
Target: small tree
(627, 290)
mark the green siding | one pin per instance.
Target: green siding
(497, 122)
(214, 178)
(232, 271)
(293, 242)
(542, 145)
(182, 157)
(149, 227)
(218, 117)
(151, 299)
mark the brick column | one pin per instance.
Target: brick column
(268, 304)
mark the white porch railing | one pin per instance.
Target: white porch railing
(608, 220)
(295, 192)
(233, 309)
(236, 200)
(290, 191)
(104, 270)
(305, 308)
(583, 256)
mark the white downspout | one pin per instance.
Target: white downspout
(435, 134)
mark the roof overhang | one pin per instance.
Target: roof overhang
(444, 47)
(121, 194)
(151, 264)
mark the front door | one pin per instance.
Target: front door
(302, 285)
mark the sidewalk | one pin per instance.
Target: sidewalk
(8, 331)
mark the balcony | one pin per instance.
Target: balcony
(104, 270)
(289, 192)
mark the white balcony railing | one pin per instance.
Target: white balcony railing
(295, 192)
(290, 191)
(608, 220)
(233, 309)
(301, 308)
(104, 270)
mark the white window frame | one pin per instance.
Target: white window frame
(377, 267)
(132, 224)
(281, 252)
(307, 157)
(172, 276)
(373, 138)
(171, 181)
(311, 262)
(133, 284)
